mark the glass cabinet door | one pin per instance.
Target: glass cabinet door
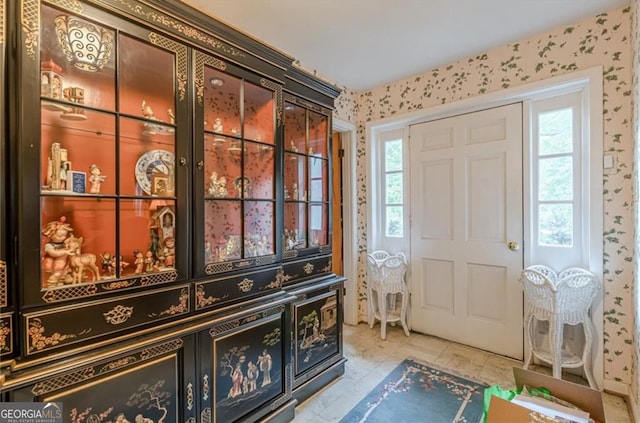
(236, 114)
(306, 178)
(107, 167)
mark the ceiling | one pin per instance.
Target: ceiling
(362, 44)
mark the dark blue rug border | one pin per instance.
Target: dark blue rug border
(419, 392)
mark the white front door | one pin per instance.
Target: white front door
(466, 209)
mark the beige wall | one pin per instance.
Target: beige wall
(635, 36)
(604, 40)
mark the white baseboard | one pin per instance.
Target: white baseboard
(624, 390)
(618, 388)
(634, 408)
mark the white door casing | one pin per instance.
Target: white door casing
(466, 207)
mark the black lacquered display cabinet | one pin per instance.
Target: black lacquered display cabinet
(155, 250)
(7, 310)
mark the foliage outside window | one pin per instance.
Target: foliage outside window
(393, 188)
(556, 183)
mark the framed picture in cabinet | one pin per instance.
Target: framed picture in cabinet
(316, 330)
(249, 366)
(161, 185)
(77, 182)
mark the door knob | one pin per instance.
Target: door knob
(513, 246)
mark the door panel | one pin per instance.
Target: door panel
(466, 174)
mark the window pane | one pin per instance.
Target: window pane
(393, 155)
(393, 188)
(556, 179)
(394, 224)
(556, 132)
(555, 225)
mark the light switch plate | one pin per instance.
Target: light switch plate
(608, 162)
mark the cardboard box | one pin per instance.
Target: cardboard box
(502, 411)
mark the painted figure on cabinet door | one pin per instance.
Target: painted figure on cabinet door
(316, 331)
(249, 370)
(266, 363)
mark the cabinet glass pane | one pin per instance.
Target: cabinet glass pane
(223, 229)
(107, 180)
(318, 134)
(221, 102)
(221, 168)
(76, 60)
(295, 225)
(239, 157)
(295, 128)
(147, 235)
(259, 113)
(146, 80)
(73, 151)
(258, 228)
(259, 170)
(76, 231)
(295, 176)
(318, 224)
(318, 179)
(147, 160)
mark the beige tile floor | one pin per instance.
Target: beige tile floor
(370, 359)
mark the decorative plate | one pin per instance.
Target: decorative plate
(159, 162)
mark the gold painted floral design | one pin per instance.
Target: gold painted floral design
(203, 301)
(5, 336)
(180, 308)
(39, 341)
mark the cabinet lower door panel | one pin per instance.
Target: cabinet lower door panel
(140, 385)
(245, 373)
(317, 318)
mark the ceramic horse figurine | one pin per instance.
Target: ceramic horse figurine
(78, 261)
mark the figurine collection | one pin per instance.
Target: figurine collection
(65, 263)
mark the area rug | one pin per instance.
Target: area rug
(416, 392)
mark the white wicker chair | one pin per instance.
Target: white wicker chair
(379, 255)
(374, 276)
(560, 299)
(386, 281)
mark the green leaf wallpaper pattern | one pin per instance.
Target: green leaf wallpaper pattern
(603, 40)
(635, 34)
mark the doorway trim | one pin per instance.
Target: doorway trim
(349, 218)
(591, 79)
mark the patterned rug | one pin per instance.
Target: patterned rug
(415, 392)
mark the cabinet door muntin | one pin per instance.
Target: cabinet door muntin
(237, 117)
(108, 180)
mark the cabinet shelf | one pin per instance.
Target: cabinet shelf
(159, 222)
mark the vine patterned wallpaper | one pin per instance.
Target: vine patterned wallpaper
(603, 40)
(635, 34)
